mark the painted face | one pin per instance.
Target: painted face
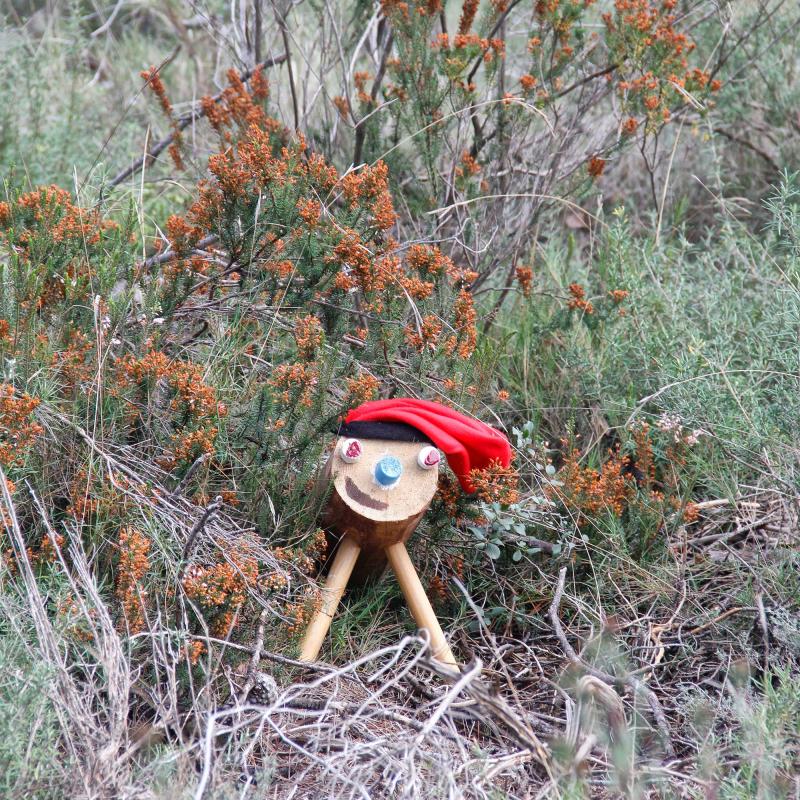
(385, 480)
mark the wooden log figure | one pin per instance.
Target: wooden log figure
(384, 472)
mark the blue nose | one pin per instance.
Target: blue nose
(388, 471)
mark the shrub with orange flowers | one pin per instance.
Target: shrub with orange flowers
(642, 480)
(653, 57)
(131, 591)
(578, 299)
(524, 277)
(587, 492)
(156, 85)
(496, 484)
(17, 431)
(333, 303)
(50, 241)
(194, 405)
(220, 589)
(598, 313)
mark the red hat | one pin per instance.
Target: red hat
(467, 443)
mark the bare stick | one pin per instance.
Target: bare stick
(281, 18)
(343, 563)
(630, 680)
(418, 602)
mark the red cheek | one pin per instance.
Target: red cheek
(353, 450)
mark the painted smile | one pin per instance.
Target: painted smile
(362, 497)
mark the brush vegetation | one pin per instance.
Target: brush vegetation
(222, 226)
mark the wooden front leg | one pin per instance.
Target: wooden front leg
(418, 602)
(342, 567)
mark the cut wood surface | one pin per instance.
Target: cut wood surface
(356, 485)
(376, 529)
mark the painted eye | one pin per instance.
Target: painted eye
(429, 457)
(350, 450)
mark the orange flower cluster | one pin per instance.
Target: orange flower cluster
(238, 106)
(360, 79)
(528, 82)
(342, 106)
(578, 299)
(524, 276)
(222, 588)
(645, 457)
(189, 445)
(437, 589)
(216, 585)
(399, 9)
(691, 513)
(6, 521)
(491, 48)
(308, 336)
(465, 317)
(182, 236)
(300, 613)
(361, 389)
(618, 295)
(370, 186)
(309, 211)
(48, 216)
(193, 394)
(48, 549)
(359, 270)
(596, 166)
(414, 286)
(304, 559)
(449, 495)
(73, 362)
(426, 335)
(296, 383)
(82, 504)
(587, 492)
(157, 87)
(194, 652)
(281, 269)
(92, 494)
(469, 166)
(468, 12)
(68, 610)
(428, 260)
(630, 126)
(496, 483)
(194, 402)
(17, 432)
(134, 549)
(642, 35)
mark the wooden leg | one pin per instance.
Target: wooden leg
(343, 563)
(418, 602)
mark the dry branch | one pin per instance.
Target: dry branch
(630, 680)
